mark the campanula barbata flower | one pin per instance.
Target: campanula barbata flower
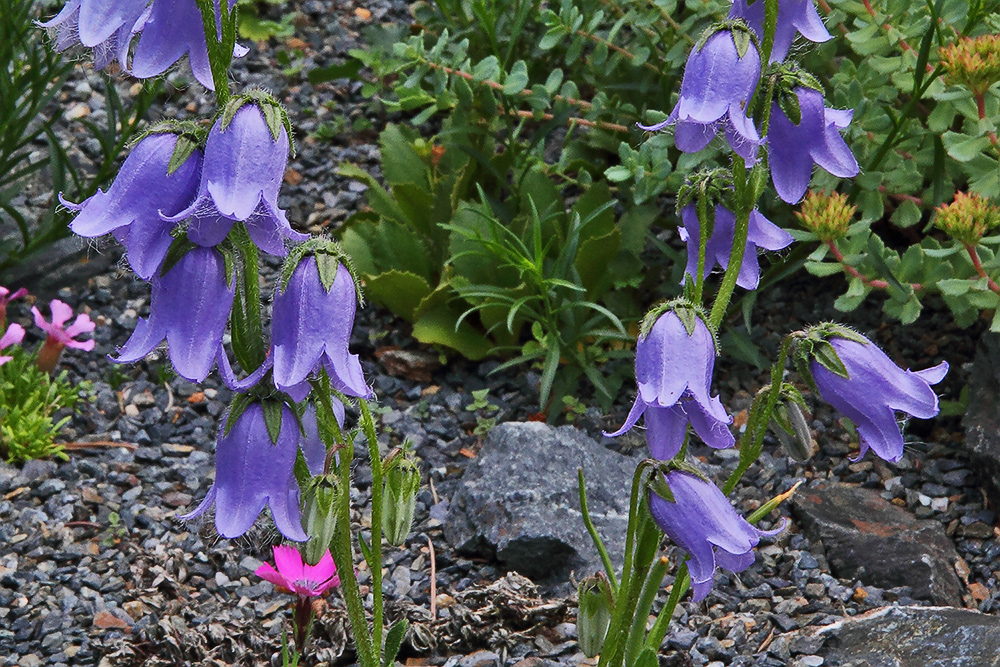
(142, 193)
(719, 80)
(106, 26)
(251, 471)
(793, 148)
(673, 368)
(794, 16)
(874, 390)
(244, 164)
(703, 522)
(189, 307)
(762, 234)
(311, 325)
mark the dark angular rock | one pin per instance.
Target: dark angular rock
(519, 500)
(911, 637)
(982, 417)
(870, 539)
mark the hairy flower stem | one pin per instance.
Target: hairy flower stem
(682, 582)
(704, 224)
(343, 557)
(650, 588)
(752, 441)
(743, 208)
(368, 425)
(220, 42)
(980, 271)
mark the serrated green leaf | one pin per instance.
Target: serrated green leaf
(399, 291)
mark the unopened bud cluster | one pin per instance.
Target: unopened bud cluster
(968, 218)
(827, 215)
(973, 62)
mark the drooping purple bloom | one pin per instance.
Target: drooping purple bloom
(717, 86)
(673, 369)
(312, 326)
(703, 523)
(762, 234)
(312, 446)
(243, 168)
(106, 26)
(792, 149)
(793, 16)
(251, 472)
(174, 29)
(133, 206)
(190, 306)
(874, 390)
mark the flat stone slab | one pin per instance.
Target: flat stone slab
(911, 637)
(518, 501)
(868, 538)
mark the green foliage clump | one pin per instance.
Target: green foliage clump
(29, 399)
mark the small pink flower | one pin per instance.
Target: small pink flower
(14, 335)
(298, 577)
(5, 298)
(58, 337)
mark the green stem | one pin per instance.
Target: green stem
(757, 423)
(702, 212)
(219, 56)
(609, 568)
(343, 556)
(368, 425)
(682, 582)
(742, 212)
(650, 588)
(770, 26)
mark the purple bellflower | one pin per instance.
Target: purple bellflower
(718, 83)
(106, 26)
(762, 234)
(12, 336)
(190, 307)
(143, 190)
(702, 522)
(874, 390)
(792, 149)
(793, 16)
(673, 368)
(251, 471)
(243, 168)
(311, 325)
(173, 29)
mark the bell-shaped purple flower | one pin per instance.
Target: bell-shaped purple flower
(243, 168)
(874, 390)
(312, 446)
(793, 16)
(717, 86)
(762, 234)
(673, 368)
(311, 325)
(106, 26)
(792, 149)
(702, 522)
(132, 207)
(173, 29)
(190, 307)
(251, 471)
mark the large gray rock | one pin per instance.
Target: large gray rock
(982, 417)
(868, 538)
(910, 637)
(518, 501)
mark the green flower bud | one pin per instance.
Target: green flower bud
(593, 616)
(319, 515)
(402, 481)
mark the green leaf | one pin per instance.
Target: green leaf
(517, 79)
(393, 640)
(823, 269)
(487, 68)
(964, 148)
(400, 162)
(954, 286)
(399, 291)
(906, 214)
(347, 70)
(617, 174)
